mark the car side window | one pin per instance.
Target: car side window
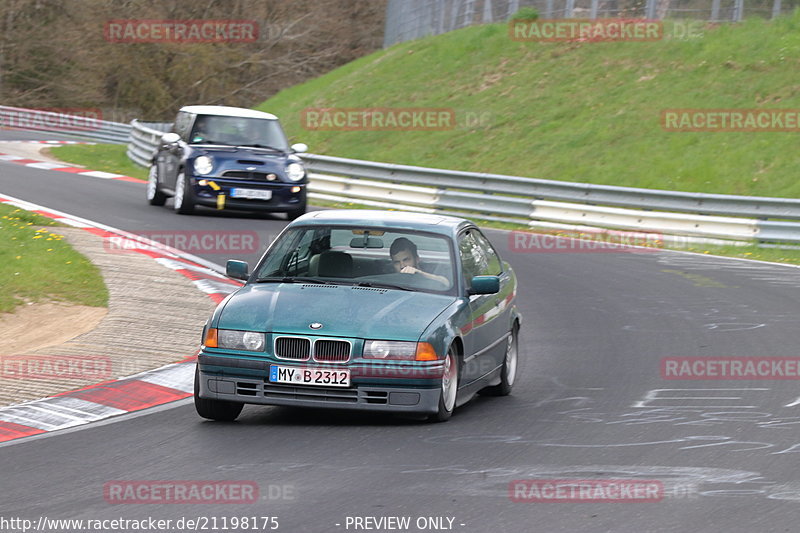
(473, 260)
(494, 266)
(182, 124)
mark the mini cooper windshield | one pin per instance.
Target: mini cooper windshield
(239, 131)
(363, 256)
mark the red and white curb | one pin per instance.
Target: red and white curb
(61, 167)
(127, 394)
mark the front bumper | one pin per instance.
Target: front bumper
(282, 200)
(228, 380)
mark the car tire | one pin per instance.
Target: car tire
(296, 213)
(220, 410)
(508, 374)
(183, 200)
(154, 194)
(449, 390)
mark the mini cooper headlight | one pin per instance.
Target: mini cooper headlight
(230, 339)
(402, 350)
(203, 165)
(295, 171)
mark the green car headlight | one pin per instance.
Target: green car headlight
(203, 165)
(402, 350)
(231, 339)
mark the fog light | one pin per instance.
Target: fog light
(202, 183)
(295, 189)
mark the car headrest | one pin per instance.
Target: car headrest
(336, 265)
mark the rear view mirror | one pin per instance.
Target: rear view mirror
(485, 285)
(170, 138)
(368, 242)
(237, 269)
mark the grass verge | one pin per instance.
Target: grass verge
(105, 157)
(37, 265)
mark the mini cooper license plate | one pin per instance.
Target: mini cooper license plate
(251, 194)
(301, 375)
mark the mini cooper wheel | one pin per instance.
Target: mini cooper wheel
(154, 195)
(214, 409)
(183, 201)
(508, 374)
(449, 390)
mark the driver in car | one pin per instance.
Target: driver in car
(405, 260)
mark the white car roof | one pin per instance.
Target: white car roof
(227, 111)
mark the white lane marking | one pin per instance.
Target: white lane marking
(214, 287)
(80, 406)
(47, 166)
(179, 377)
(675, 400)
(100, 174)
(7, 416)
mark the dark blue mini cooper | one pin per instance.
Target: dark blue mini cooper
(228, 158)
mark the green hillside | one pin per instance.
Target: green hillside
(574, 111)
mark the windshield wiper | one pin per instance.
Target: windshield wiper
(291, 279)
(382, 286)
(266, 147)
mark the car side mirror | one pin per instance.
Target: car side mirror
(170, 138)
(300, 148)
(485, 285)
(237, 269)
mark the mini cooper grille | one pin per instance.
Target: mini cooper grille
(293, 348)
(248, 175)
(329, 350)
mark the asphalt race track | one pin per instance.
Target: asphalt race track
(590, 403)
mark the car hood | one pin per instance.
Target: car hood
(224, 151)
(343, 311)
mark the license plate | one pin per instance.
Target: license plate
(251, 194)
(301, 375)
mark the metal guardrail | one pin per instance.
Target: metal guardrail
(64, 123)
(564, 204)
(532, 201)
(144, 140)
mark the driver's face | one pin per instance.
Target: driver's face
(403, 259)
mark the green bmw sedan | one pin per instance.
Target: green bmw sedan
(371, 310)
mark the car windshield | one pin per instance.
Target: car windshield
(239, 131)
(363, 256)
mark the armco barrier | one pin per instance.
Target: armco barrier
(65, 124)
(536, 202)
(144, 140)
(509, 198)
